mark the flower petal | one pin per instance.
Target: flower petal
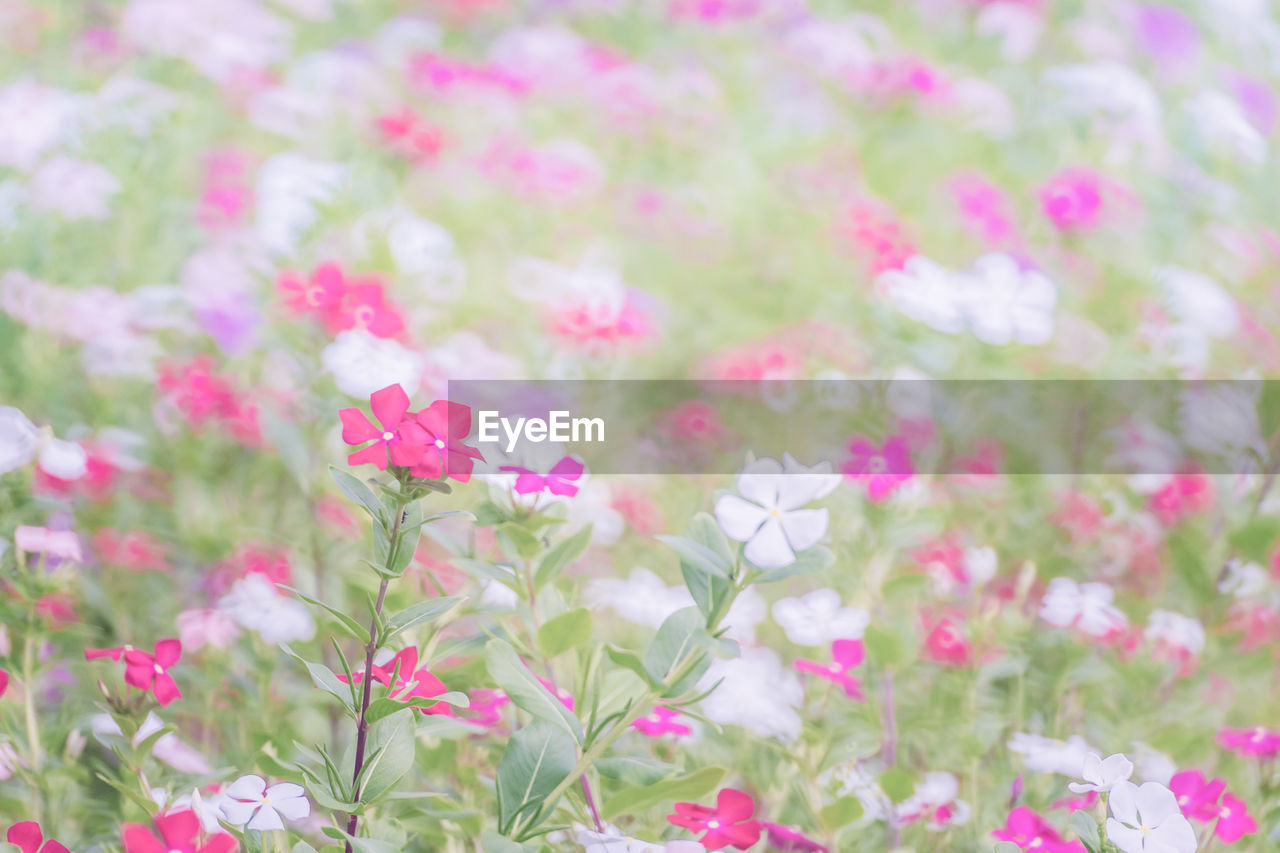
(738, 518)
(768, 548)
(805, 527)
(265, 819)
(168, 652)
(249, 787)
(138, 839)
(356, 427)
(389, 406)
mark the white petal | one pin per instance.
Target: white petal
(1123, 802)
(804, 527)
(739, 519)
(768, 549)
(238, 813)
(759, 482)
(1155, 802)
(247, 788)
(265, 819)
(285, 791)
(1175, 833)
(294, 808)
(1127, 839)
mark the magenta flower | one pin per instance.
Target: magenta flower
(389, 406)
(845, 655)
(1073, 199)
(1197, 796)
(1258, 741)
(881, 468)
(1030, 831)
(661, 721)
(28, 838)
(790, 839)
(179, 833)
(729, 824)
(1234, 820)
(4, 681)
(441, 429)
(147, 671)
(408, 683)
(559, 480)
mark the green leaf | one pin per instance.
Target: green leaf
(638, 798)
(698, 556)
(492, 842)
(348, 623)
(445, 728)
(710, 592)
(506, 668)
(1084, 826)
(884, 646)
(537, 759)
(362, 845)
(896, 784)
(680, 637)
(391, 741)
(324, 678)
(560, 555)
(815, 559)
(517, 541)
(302, 847)
(423, 611)
(841, 813)
(635, 770)
(628, 660)
(488, 571)
(358, 492)
(567, 631)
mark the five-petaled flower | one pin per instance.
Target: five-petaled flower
(728, 824)
(1102, 774)
(661, 721)
(560, 480)
(145, 670)
(1258, 741)
(179, 833)
(882, 468)
(430, 443)
(1146, 819)
(440, 429)
(248, 802)
(1209, 801)
(389, 406)
(1030, 831)
(409, 684)
(845, 655)
(768, 515)
(28, 838)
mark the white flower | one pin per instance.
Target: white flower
(1151, 764)
(1146, 819)
(936, 790)
(1018, 27)
(1008, 304)
(747, 611)
(1102, 774)
(768, 516)
(65, 460)
(168, 748)
(362, 363)
(1176, 630)
(251, 804)
(19, 439)
(34, 119)
(289, 189)
(928, 293)
(757, 693)
(643, 598)
(1198, 301)
(1221, 121)
(818, 618)
(613, 841)
(1243, 580)
(1087, 606)
(74, 189)
(254, 603)
(1046, 755)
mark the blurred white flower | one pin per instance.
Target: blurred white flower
(1046, 755)
(1221, 121)
(928, 293)
(1102, 774)
(1017, 25)
(935, 801)
(981, 563)
(1244, 580)
(168, 748)
(222, 39)
(132, 102)
(34, 119)
(819, 618)
(74, 189)
(1006, 303)
(1085, 606)
(1221, 419)
(65, 460)
(642, 598)
(255, 605)
(1176, 630)
(19, 439)
(289, 189)
(1147, 819)
(248, 802)
(768, 515)
(362, 363)
(757, 693)
(1152, 764)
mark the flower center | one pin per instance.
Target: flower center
(1144, 830)
(775, 513)
(713, 824)
(387, 436)
(159, 669)
(440, 444)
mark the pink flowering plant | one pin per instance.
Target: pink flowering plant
(934, 505)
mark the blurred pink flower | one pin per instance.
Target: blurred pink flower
(58, 544)
(882, 468)
(1073, 199)
(845, 655)
(1258, 741)
(209, 627)
(1030, 831)
(560, 480)
(661, 721)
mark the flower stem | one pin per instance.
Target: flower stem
(889, 749)
(29, 707)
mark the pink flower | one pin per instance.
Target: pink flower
(1085, 801)
(441, 429)
(147, 671)
(486, 707)
(134, 550)
(28, 838)
(946, 644)
(200, 628)
(1184, 495)
(180, 832)
(790, 839)
(845, 655)
(409, 684)
(565, 697)
(365, 306)
(729, 824)
(1258, 741)
(878, 234)
(1072, 199)
(1197, 797)
(389, 406)
(408, 135)
(1030, 831)
(559, 480)
(661, 721)
(881, 468)
(1234, 820)
(985, 209)
(58, 544)
(4, 681)
(322, 291)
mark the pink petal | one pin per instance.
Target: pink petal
(168, 652)
(356, 427)
(389, 406)
(374, 454)
(26, 834)
(179, 828)
(568, 468)
(138, 839)
(848, 653)
(733, 805)
(166, 689)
